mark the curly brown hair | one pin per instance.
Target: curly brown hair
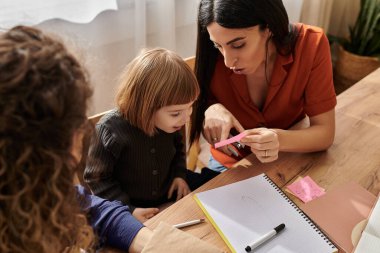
(44, 93)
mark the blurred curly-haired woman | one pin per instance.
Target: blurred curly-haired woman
(43, 100)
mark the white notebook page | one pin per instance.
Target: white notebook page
(373, 225)
(370, 239)
(243, 211)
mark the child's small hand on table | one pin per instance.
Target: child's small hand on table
(179, 185)
(143, 214)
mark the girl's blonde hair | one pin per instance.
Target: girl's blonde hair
(154, 79)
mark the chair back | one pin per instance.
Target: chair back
(78, 179)
(95, 118)
(193, 150)
(190, 61)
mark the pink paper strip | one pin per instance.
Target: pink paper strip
(306, 189)
(230, 140)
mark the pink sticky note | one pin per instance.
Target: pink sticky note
(306, 189)
(230, 140)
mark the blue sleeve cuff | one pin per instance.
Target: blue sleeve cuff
(111, 220)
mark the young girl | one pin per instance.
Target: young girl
(137, 156)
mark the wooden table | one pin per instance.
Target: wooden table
(354, 156)
(362, 100)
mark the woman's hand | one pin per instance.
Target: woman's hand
(143, 214)
(263, 142)
(180, 186)
(218, 123)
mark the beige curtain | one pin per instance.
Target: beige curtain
(317, 12)
(344, 14)
(334, 16)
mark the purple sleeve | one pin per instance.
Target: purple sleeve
(111, 220)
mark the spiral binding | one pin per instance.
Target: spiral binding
(311, 223)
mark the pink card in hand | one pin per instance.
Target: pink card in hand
(230, 140)
(306, 189)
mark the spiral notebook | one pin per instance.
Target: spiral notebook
(243, 211)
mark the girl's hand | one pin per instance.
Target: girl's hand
(263, 142)
(218, 123)
(181, 186)
(143, 214)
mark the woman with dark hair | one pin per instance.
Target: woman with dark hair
(262, 76)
